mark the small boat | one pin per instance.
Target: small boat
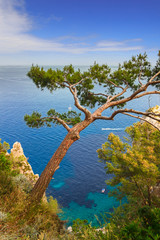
(103, 190)
(69, 108)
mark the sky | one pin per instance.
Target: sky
(78, 32)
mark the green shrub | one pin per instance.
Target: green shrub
(5, 163)
(23, 183)
(4, 146)
(6, 184)
(15, 172)
(150, 218)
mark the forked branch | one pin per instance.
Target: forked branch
(77, 104)
(124, 111)
(119, 94)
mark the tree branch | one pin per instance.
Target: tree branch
(154, 76)
(77, 104)
(75, 84)
(147, 93)
(125, 111)
(62, 122)
(135, 95)
(139, 78)
(119, 94)
(143, 119)
(114, 84)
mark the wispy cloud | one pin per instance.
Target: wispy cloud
(15, 35)
(109, 44)
(54, 18)
(125, 44)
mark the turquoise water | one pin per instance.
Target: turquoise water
(97, 214)
(77, 184)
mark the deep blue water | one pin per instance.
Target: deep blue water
(78, 182)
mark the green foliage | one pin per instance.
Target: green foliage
(5, 163)
(131, 74)
(6, 184)
(83, 230)
(156, 69)
(126, 223)
(23, 183)
(51, 206)
(146, 226)
(4, 146)
(150, 218)
(125, 75)
(136, 167)
(35, 120)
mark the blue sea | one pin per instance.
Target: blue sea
(77, 184)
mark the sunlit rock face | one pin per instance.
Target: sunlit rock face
(155, 110)
(17, 150)
(21, 162)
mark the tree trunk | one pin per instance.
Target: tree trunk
(46, 176)
(149, 195)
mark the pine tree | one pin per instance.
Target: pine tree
(135, 166)
(130, 81)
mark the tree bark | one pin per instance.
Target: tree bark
(46, 176)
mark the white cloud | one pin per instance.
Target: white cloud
(119, 44)
(15, 36)
(109, 44)
(12, 20)
(117, 48)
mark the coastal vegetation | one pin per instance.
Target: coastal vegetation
(132, 80)
(132, 163)
(135, 167)
(16, 181)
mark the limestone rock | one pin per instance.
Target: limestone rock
(20, 162)
(17, 150)
(155, 110)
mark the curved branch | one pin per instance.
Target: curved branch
(147, 93)
(148, 114)
(77, 104)
(75, 84)
(111, 117)
(143, 119)
(154, 76)
(62, 122)
(131, 97)
(114, 84)
(119, 94)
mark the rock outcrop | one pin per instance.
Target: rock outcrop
(156, 123)
(20, 162)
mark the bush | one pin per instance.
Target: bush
(6, 184)
(5, 163)
(23, 183)
(150, 218)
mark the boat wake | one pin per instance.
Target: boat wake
(113, 129)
